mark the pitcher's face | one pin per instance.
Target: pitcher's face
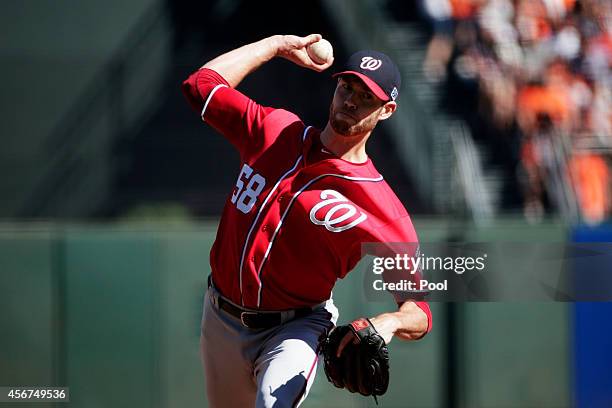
(355, 110)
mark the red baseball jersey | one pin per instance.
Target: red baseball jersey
(297, 216)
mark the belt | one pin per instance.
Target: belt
(254, 319)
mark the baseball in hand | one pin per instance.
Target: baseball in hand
(321, 51)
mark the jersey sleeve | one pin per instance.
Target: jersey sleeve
(399, 238)
(402, 232)
(391, 239)
(234, 115)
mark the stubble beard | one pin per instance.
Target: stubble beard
(345, 129)
(341, 127)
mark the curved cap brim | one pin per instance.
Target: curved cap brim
(372, 86)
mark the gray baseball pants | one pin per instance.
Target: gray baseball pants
(260, 368)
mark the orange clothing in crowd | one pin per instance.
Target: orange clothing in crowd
(535, 100)
(463, 9)
(591, 180)
(569, 5)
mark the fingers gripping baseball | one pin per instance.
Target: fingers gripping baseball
(311, 39)
(294, 49)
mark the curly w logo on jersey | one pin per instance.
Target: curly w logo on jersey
(338, 217)
(370, 63)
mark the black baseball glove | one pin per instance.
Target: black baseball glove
(362, 367)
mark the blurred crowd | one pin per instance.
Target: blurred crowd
(534, 78)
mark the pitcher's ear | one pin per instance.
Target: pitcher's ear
(388, 109)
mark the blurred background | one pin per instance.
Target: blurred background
(111, 187)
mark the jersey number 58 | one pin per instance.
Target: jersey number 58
(245, 198)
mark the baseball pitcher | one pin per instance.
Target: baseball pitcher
(304, 201)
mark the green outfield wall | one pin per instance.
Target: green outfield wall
(113, 312)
